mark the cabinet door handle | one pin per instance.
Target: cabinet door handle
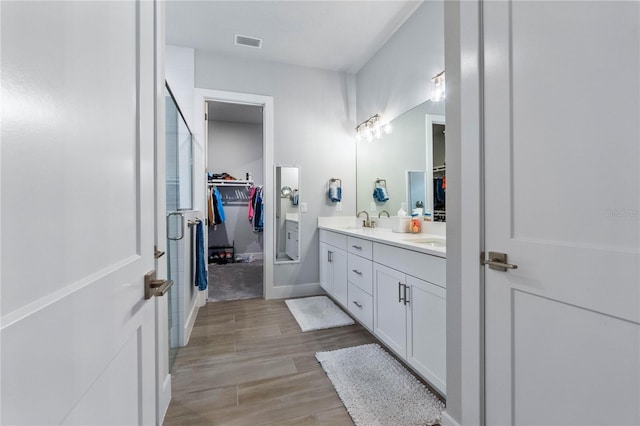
(357, 304)
(399, 292)
(357, 247)
(329, 257)
(405, 295)
(357, 272)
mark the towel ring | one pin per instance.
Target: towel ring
(380, 183)
(336, 180)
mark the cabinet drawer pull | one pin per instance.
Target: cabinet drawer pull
(357, 304)
(357, 272)
(357, 247)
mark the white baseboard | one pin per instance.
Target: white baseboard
(447, 420)
(289, 291)
(191, 320)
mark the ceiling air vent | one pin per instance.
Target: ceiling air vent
(248, 41)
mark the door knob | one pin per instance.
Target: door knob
(498, 261)
(154, 287)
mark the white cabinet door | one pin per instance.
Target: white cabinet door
(339, 265)
(325, 268)
(389, 312)
(426, 327)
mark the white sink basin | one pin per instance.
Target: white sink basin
(431, 242)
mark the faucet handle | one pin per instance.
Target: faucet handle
(372, 224)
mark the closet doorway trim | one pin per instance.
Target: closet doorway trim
(202, 96)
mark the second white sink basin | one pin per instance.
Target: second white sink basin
(432, 242)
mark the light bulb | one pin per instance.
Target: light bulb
(369, 135)
(438, 87)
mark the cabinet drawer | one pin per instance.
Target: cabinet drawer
(360, 247)
(361, 273)
(361, 306)
(334, 239)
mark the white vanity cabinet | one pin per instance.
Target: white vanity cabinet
(410, 313)
(397, 293)
(291, 244)
(333, 265)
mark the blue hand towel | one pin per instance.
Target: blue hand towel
(380, 194)
(335, 193)
(201, 270)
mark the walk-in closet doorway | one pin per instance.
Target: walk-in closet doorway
(238, 236)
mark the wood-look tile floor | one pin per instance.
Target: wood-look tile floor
(248, 363)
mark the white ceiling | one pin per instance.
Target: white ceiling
(333, 34)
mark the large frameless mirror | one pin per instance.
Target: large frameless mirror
(410, 161)
(287, 217)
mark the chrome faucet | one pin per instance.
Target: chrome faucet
(383, 211)
(367, 223)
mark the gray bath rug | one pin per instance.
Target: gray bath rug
(377, 390)
(318, 312)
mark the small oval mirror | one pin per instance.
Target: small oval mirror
(286, 191)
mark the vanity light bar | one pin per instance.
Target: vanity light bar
(438, 87)
(372, 128)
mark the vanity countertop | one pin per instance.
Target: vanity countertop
(432, 244)
(293, 217)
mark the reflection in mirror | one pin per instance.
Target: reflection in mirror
(416, 191)
(393, 156)
(436, 167)
(287, 178)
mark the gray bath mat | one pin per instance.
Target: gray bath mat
(377, 390)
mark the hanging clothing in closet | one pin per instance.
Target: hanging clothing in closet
(439, 185)
(215, 208)
(256, 209)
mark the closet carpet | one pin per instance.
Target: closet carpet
(248, 363)
(235, 281)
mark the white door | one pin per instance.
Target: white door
(389, 311)
(77, 213)
(562, 161)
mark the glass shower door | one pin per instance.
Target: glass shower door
(179, 182)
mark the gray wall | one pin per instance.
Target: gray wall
(398, 77)
(236, 148)
(179, 74)
(314, 121)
